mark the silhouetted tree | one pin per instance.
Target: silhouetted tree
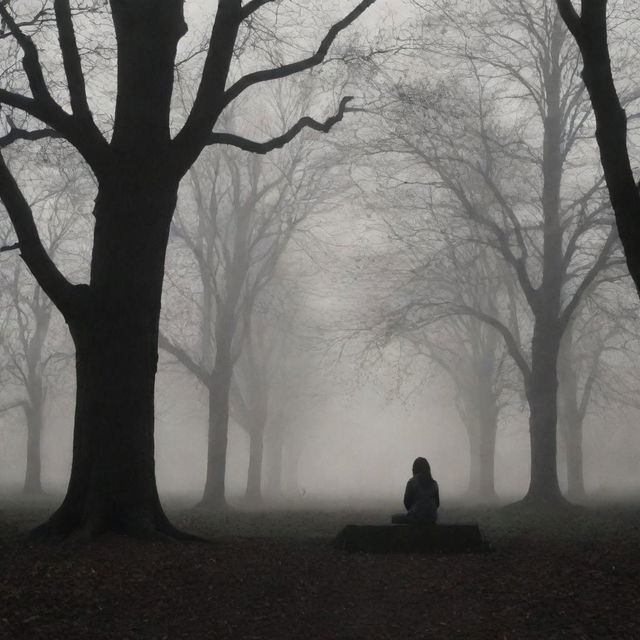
(252, 399)
(589, 28)
(114, 318)
(247, 210)
(271, 380)
(592, 377)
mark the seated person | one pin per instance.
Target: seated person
(421, 497)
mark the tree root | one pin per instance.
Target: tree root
(532, 503)
(67, 528)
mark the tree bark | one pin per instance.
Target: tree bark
(115, 332)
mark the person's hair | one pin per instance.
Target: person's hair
(421, 465)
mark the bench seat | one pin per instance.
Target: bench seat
(410, 538)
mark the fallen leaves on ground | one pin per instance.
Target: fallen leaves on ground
(532, 585)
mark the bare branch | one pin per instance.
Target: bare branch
(211, 98)
(596, 268)
(16, 133)
(71, 60)
(571, 18)
(31, 59)
(13, 405)
(183, 358)
(88, 141)
(301, 65)
(32, 251)
(285, 138)
(80, 130)
(512, 345)
(208, 103)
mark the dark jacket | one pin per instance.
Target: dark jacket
(422, 498)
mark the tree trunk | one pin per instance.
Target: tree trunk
(482, 445)
(544, 487)
(542, 390)
(115, 332)
(571, 420)
(575, 462)
(275, 447)
(219, 390)
(213, 496)
(253, 493)
(291, 479)
(32, 478)
(114, 320)
(590, 31)
(36, 394)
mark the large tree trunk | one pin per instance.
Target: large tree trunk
(32, 476)
(114, 321)
(115, 332)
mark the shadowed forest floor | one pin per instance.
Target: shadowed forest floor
(274, 575)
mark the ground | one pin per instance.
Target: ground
(275, 576)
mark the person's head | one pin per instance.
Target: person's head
(420, 465)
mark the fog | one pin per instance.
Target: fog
(358, 450)
(371, 293)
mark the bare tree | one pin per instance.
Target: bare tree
(470, 351)
(247, 210)
(254, 396)
(518, 182)
(113, 319)
(272, 381)
(592, 378)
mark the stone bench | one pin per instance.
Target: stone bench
(410, 538)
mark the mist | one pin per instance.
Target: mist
(355, 298)
(319, 319)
